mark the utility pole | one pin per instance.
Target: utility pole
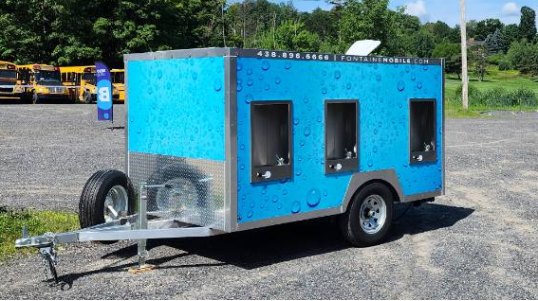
(465, 75)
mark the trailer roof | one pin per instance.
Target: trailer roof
(276, 54)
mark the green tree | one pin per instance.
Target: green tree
(527, 26)
(495, 42)
(486, 27)
(479, 61)
(510, 35)
(451, 52)
(367, 19)
(424, 43)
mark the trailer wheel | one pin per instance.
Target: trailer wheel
(87, 98)
(369, 216)
(107, 195)
(35, 98)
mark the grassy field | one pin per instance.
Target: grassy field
(507, 80)
(37, 222)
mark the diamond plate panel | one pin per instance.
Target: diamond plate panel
(194, 191)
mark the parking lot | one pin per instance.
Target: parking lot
(477, 242)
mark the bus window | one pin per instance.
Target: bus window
(8, 74)
(118, 77)
(89, 77)
(47, 76)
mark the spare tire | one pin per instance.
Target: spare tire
(107, 195)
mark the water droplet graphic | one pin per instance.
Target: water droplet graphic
(275, 199)
(242, 146)
(401, 86)
(337, 75)
(419, 85)
(296, 207)
(307, 131)
(249, 71)
(348, 86)
(248, 98)
(305, 99)
(313, 197)
(370, 163)
(279, 206)
(266, 87)
(194, 76)
(250, 82)
(287, 65)
(239, 67)
(296, 121)
(298, 172)
(159, 74)
(277, 80)
(413, 77)
(217, 85)
(265, 65)
(264, 191)
(375, 149)
(242, 166)
(319, 119)
(301, 142)
(250, 214)
(378, 78)
(239, 87)
(324, 90)
(284, 192)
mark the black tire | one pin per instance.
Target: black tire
(87, 98)
(92, 199)
(35, 98)
(178, 171)
(350, 224)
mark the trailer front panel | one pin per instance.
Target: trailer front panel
(176, 135)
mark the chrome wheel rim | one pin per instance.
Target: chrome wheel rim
(373, 214)
(116, 203)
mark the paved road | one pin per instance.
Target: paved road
(478, 242)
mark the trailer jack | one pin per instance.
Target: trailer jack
(135, 227)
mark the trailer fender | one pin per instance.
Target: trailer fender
(360, 179)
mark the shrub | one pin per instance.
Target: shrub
(500, 98)
(505, 65)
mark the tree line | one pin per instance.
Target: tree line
(69, 32)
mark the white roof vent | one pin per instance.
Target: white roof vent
(363, 47)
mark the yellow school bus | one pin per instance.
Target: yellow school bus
(9, 82)
(118, 81)
(42, 82)
(83, 79)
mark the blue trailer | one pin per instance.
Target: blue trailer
(221, 140)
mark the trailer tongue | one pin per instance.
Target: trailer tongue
(137, 227)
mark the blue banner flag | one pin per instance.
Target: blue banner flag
(104, 92)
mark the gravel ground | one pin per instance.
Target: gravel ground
(477, 242)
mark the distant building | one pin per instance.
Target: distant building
(472, 42)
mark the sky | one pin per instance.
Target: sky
(508, 11)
